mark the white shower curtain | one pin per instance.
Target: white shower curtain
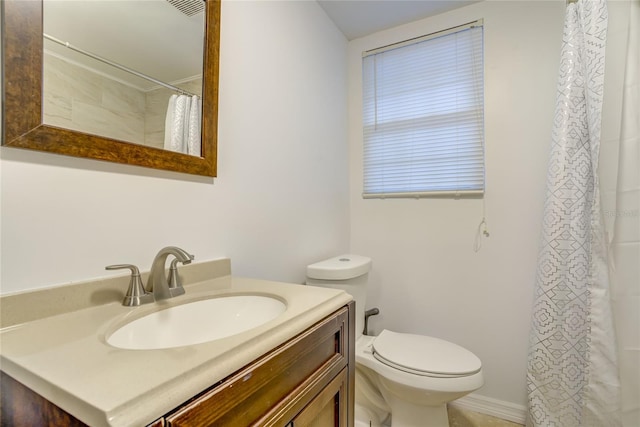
(572, 376)
(182, 124)
(625, 244)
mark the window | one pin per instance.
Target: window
(423, 116)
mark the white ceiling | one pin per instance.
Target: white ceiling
(358, 18)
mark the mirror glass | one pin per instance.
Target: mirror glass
(129, 70)
(23, 51)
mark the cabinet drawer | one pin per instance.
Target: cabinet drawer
(269, 390)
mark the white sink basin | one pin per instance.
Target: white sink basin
(197, 322)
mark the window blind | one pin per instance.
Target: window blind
(423, 116)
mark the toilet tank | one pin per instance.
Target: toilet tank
(349, 273)
(340, 268)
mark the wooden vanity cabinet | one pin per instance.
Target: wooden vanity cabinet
(22, 407)
(307, 381)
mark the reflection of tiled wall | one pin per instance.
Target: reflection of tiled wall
(156, 111)
(76, 98)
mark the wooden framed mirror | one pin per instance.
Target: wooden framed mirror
(24, 127)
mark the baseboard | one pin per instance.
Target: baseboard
(494, 407)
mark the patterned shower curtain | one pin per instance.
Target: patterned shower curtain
(572, 377)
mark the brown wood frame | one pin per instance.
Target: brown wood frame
(22, 100)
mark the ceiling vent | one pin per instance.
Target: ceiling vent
(188, 7)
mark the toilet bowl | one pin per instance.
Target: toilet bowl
(412, 377)
(371, 410)
(418, 375)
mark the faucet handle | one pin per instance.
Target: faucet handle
(136, 294)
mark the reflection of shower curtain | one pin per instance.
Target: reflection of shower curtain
(572, 375)
(182, 125)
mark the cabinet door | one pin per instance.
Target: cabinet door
(21, 406)
(328, 408)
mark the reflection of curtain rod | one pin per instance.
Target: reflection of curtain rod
(113, 64)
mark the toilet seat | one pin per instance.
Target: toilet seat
(426, 356)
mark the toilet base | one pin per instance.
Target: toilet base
(406, 414)
(365, 417)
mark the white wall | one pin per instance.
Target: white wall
(280, 199)
(426, 277)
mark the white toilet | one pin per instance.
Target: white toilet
(413, 377)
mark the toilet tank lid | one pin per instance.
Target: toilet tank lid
(342, 267)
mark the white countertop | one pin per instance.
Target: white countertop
(65, 357)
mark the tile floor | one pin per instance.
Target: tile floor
(463, 418)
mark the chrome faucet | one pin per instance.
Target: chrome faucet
(157, 283)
